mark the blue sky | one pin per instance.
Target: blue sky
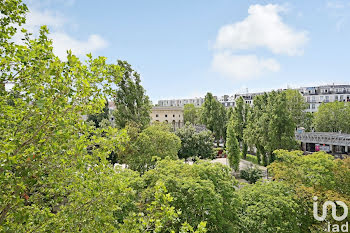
(187, 48)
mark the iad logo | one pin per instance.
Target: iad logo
(335, 227)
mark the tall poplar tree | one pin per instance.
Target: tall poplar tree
(132, 104)
(240, 120)
(232, 147)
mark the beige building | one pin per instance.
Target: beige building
(171, 115)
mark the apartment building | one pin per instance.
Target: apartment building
(181, 102)
(315, 96)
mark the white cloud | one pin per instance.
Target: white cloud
(243, 67)
(335, 5)
(36, 18)
(263, 27)
(62, 41)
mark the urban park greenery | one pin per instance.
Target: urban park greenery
(56, 174)
(195, 144)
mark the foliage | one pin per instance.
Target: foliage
(317, 174)
(239, 120)
(297, 106)
(49, 180)
(99, 117)
(203, 192)
(252, 158)
(270, 125)
(333, 117)
(251, 174)
(191, 114)
(232, 148)
(132, 104)
(195, 144)
(213, 116)
(158, 216)
(155, 142)
(269, 207)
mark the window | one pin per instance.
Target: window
(166, 115)
(313, 106)
(157, 115)
(174, 115)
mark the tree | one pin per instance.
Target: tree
(158, 216)
(195, 143)
(239, 120)
(269, 207)
(190, 114)
(232, 148)
(317, 174)
(333, 117)
(255, 134)
(203, 191)
(49, 179)
(281, 128)
(270, 125)
(132, 104)
(213, 116)
(98, 117)
(145, 147)
(297, 105)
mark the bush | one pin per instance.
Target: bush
(252, 158)
(252, 174)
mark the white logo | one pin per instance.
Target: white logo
(334, 210)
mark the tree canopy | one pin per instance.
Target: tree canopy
(213, 116)
(191, 114)
(195, 144)
(333, 117)
(132, 104)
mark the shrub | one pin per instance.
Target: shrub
(252, 174)
(252, 158)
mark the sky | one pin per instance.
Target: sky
(186, 48)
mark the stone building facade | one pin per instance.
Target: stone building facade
(171, 115)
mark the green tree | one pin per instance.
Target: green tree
(269, 207)
(145, 147)
(317, 174)
(297, 105)
(255, 134)
(232, 148)
(213, 116)
(281, 128)
(333, 117)
(99, 117)
(132, 104)
(195, 143)
(49, 180)
(190, 114)
(270, 125)
(158, 216)
(239, 120)
(203, 191)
